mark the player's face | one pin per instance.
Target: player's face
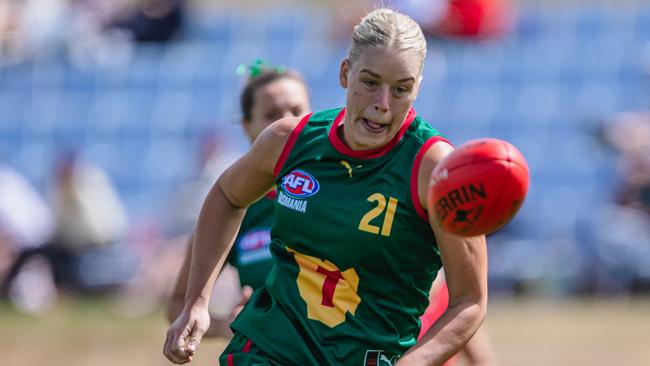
(278, 99)
(382, 86)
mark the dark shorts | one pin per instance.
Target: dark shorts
(242, 352)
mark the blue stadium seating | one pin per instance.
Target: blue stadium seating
(547, 88)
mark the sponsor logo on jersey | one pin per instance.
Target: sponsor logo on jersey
(378, 358)
(253, 246)
(295, 187)
(299, 184)
(349, 167)
(292, 203)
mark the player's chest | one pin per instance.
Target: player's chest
(342, 201)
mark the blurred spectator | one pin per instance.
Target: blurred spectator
(89, 223)
(214, 156)
(31, 27)
(8, 27)
(617, 236)
(90, 41)
(473, 18)
(629, 134)
(448, 18)
(152, 20)
(25, 220)
(88, 211)
(161, 261)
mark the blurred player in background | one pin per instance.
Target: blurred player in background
(271, 93)
(351, 224)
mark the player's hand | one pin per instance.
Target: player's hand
(185, 334)
(247, 292)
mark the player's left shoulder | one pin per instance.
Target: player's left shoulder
(435, 151)
(432, 152)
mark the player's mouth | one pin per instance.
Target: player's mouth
(373, 126)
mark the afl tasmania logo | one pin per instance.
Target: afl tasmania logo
(299, 184)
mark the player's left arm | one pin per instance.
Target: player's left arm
(465, 263)
(479, 351)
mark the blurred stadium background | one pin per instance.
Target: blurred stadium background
(569, 276)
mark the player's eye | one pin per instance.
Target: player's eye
(369, 83)
(400, 90)
(273, 115)
(297, 111)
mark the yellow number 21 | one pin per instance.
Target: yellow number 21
(365, 224)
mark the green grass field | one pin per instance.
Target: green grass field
(524, 333)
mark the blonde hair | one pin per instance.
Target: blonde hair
(387, 28)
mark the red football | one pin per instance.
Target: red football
(479, 187)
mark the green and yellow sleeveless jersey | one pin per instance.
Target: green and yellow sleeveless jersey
(251, 254)
(355, 254)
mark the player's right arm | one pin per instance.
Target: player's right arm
(219, 326)
(243, 183)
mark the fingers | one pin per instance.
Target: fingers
(195, 339)
(235, 312)
(192, 345)
(185, 334)
(178, 346)
(246, 293)
(174, 348)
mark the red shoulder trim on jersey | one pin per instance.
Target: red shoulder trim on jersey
(341, 147)
(289, 144)
(271, 194)
(415, 171)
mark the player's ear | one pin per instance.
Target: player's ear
(343, 73)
